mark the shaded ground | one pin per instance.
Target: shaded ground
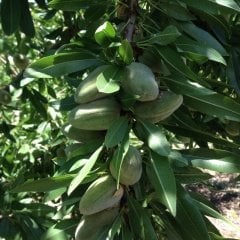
(224, 193)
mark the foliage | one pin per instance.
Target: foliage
(47, 49)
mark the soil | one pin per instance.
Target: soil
(223, 190)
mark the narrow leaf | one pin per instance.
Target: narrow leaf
(116, 132)
(204, 37)
(173, 58)
(213, 6)
(233, 71)
(65, 104)
(70, 5)
(26, 21)
(140, 221)
(188, 175)
(207, 210)
(84, 171)
(203, 99)
(44, 184)
(213, 159)
(189, 217)
(116, 226)
(228, 4)
(202, 51)
(162, 178)
(177, 11)
(167, 36)
(10, 15)
(198, 135)
(156, 139)
(60, 64)
(119, 155)
(59, 230)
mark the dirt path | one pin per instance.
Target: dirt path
(225, 195)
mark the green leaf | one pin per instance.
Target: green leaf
(188, 175)
(155, 138)
(10, 15)
(228, 4)
(84, 171)
(203, 99)
(173, 58)
(217, 237)
(167, 36)
(39, 106)
(126, 233)
(65, 104)
(213, 6)
(119, 155)
(38, 209)
(70, 5)
(116, 132)
(199, 135)
(203, 37)
(105, 34)
(109, 80)
(126, 52)
(44, 184)
(207, 210)
(233, 70)
(140, 221)
(162, 178)
(198, 51)
(26, 22)
(61, 64)
(41, 3)
(116, 226)
(189, 217)
(29, 226)
(59, 230)
(213, 159)
(177, 11)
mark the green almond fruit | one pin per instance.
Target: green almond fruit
(131, 169)
(100, 195)
(91, 227)
(140, 81)
(87, 90)
(161, 108)
(233, 128)
(81, 135)
(96, 115)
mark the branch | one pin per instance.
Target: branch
(132, 19)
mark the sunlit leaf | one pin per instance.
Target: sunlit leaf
(126, 52)
(84, 171)
(213, 159)
(60, 64)
(155, 138)
(105, 34)
(109, 80)
(44, 184)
